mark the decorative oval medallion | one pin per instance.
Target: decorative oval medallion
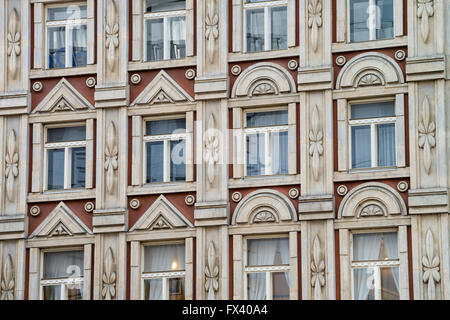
(236, 196)
(189, 200)
(294, 193)
(135, 204)
(190, 74)
(136, 78)
(293, 65)
(341, 60)
(89, 207)
(38, 86)
(35, 211)
(91, 82)
(400, 55)
(402, 186)
(236, 70)
(342, 190)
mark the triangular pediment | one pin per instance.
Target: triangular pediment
(162, 214)
(62, 221)
(63, 97)
(161, 90)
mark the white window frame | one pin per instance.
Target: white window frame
(376, 265)
(166, 275)
(268, 270)
(62, 283)
(372, 122)
(166, 138)
(68, 24)
(267, 131)
(67, 154)
(267, 21)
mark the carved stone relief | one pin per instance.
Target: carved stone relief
(317, 270)
(111, 153)
(8, 283)
(430, 263)
(315, 143)
(112, 36)
(12, 160)
(264, 216)
(425, 10)
(427, 130)
(109, 276)
(314, 21)
(211, 272)
(211, 148)
(212, 29)
(14, 38)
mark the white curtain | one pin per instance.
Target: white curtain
(284, 253)
(260, 253)
(386, 145)
(63, 264)
(365, 247)
(391, 245)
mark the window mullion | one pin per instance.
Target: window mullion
(377, 283)
(373, 142)
(267, 29)
(67, 167)
(166, 39)
(373, 18)
(68, 46)
(165, 289)
(166, 159)
(268, 286)
(267, 156)
(63, 294)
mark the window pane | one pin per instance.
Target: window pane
(267, 252)
(78, 167)
(177, 160)
(389, 284)
(359, 20)
(361, 149)
(66, 13)
(255, 154)
(165, 5)
(66, 134)
(166, 126)
(74, 292)
(256, 286)
(176, 289)
(155, 39)
(386, 144)
(364, 283)
(177, 37)
(266, 119)
(375, 246)
(385, 19)
(279, 152)
(373, 110)
(63, 264)
(153, 289)
(155, 161)
(280, 285)
(79, 46)
(52, 292)
(279, 28)
(164, 258)
(55, 169)
(255, 30)
(56, 47)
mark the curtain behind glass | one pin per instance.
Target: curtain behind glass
(155, 42)
(361, 148)
(279, 28)
(56, 47)
(279, 152)
(385, 9)
(177, 160)
(63, 264)
(359, 17)
(66, 134)
(386, 144)
(55, 167)
(159, 127)
(164, 258)
(177, 37)
(165, 5)
(373, 110)
(78, 173)
(267, 119)
(79, 46)
(255, 30)
(155, 161)
(255, 154)
(391, 245)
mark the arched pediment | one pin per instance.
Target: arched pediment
(263, 78)
(371, 200)
(264, 206)
(369, 69)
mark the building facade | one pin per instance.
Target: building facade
(224, 149)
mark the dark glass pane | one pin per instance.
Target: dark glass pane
(55, 169)
(52, 292)
(279, 152)
(359, 20)
(390, 283)
(255, 30)
(279, 28)
(66, 13)
(386, 144)
(155, 161)
(79, 46)
(255, 155)
(280, 285)
(63, 264)
(373, 110)
(266, 119)
(176, 289)
(385, 19)
(155, 39)
(177, 37)
(153, 289)
(75, 292)
(177, 160)
(78, 167)
(66, 134)
(361, 149)
(56, 47)
(166, 126)
(165, 5)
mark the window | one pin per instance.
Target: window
(164, 272)
(164, 145)
(267, 269)
(266, 136)
(265, 25)
(65, 151)
(375, 266)
(62, 277)
(165, 28)
(66, 36)
(372, 134)
(371, 20)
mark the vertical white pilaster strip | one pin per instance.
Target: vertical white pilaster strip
(138, 27)
(136, 153)
(39, 42)
(292, 138)
(135, 272)
(189, 148)
(34, 274)
(189, 279)
(38, 150)
(91, 32)
(293, 262)
(90, 153)
(87, 271)
(403, 256)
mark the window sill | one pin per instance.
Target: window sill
(273, 54)
(264, 181)
(369, 45)
(371, 174)
(63, 72)
(61, 195)
(161, 64)
(158, 188)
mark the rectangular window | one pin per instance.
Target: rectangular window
(62, 277)
(266, 25)
(371, 20)
(66, 157)
(164, 273)
(375, 266)
(165, 150)
(67, 36)
(165, 28)
(267, 269)
(372, 132)
(266, 135)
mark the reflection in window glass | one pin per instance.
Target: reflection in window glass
(255, 30)
(279, 28)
